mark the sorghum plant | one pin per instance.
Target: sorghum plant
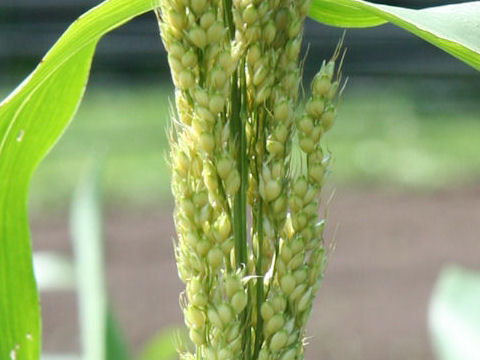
(247, 172)
(242, 147)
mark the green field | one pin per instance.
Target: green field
(382, 137)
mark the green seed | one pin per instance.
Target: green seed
(250, 14)
(287, 283)
(239, 301)
(198, 37)
(215, 257)
(279, 304)
(197, 337)
(274, 324)
(266, 311)
(279, 340)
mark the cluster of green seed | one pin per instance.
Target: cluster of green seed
(235, 66)
(204, 174)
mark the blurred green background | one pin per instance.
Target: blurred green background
(399, 133)
(408, 118)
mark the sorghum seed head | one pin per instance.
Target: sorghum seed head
(199, 299)
(223, 227)
(186, 79)
(279, 304)
(295, 203)
(293, 48)
(253, 55)
(274, 324)
(269, 32)
(281, 19)
(289, 355)
(281, 132)
(207, 142)
(305, 301)
(306, 144)
(320, 85)
(250, 14)
(176, 19)
(316, 172)
(215, 257)
(333, 90)
(273, 189)
(216, 103)
(264, 354)
(214, 318)
(279, 340)
(207, 20)
(195, 316)
(197, 336)
(300, 187)
(267, 311)
(300, 275)
(176, 50)
(263, 94)
(190, 60)
(198, 37)
(201, 96)
(175, 64)
(287, 283)
(315, 107)
(294, 28)
(281, 111)
(218, 78)
(297, 292)
(285, 252)
(327, 118)
(317, 133)
(203, 246)
(275, 148)
(198, 6)
(239, 301)
(253, 34)
(232, 183)
(225, 313)
(225, 354)
(215, 32)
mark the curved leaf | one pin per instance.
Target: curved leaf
(453, 28)
(32, 118)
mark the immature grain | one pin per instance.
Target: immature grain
(236, 72)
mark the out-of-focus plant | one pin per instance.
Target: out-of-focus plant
(454, 315)
(100, 334)
(34, 116)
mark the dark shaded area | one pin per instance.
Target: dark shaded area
(418, 4)
(28, 28)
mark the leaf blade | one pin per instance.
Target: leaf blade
(453, 28)
(32, 119)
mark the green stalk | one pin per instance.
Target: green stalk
(237, 128)
(258, 270)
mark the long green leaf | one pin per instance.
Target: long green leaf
(453, 28)
(32, 119)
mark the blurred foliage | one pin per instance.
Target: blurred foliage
(414, 134)
(454, 315)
